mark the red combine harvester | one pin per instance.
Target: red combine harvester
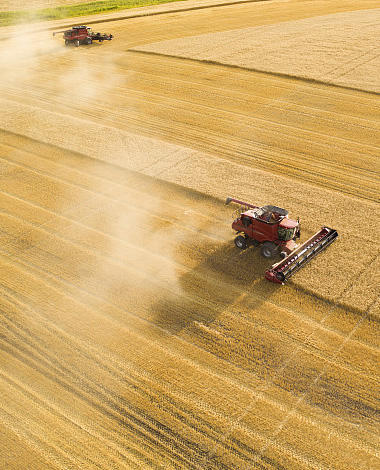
(82, 35)
(270, 228)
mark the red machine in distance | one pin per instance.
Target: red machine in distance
(270, 228)
(82, 35)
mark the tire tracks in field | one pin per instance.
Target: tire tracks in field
(259, 155)
(138, 195)
(272, 403)
(129, 422)
(42, 360)
(111, 257)
(236, 423)
(186, 90)
(239, 147)
(73, 220)
(317, 379)
(77, 393)
(246, 152)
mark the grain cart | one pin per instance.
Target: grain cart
(82, 35)
(270, 228)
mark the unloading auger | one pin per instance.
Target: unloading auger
(270, 228)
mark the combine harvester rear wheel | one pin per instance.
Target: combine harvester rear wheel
(282, 271)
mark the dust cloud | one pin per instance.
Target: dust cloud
(136, 249)
(41, 75)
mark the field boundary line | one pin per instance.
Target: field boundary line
(255, 70)
(266, 75)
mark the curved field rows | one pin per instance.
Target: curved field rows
(134, 335)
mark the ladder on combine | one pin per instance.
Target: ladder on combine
(297, 259)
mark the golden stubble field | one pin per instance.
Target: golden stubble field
(134, 335)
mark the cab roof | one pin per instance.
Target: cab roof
(288, 223)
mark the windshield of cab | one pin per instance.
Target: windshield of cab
(286, 234)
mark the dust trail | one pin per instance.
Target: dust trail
(29, 69)
(135, 240)
(24, 49)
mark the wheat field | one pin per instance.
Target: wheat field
(134, 334)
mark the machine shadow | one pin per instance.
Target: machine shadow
(219, 281)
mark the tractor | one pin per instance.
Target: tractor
(82, 35)
(270, 228)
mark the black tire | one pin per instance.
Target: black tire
(268, 250)
(241, 242)
(67, 42)
(76, 43)
(88, 41)
(283, 255)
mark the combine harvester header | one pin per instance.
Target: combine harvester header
(270, 228)
(282, 271)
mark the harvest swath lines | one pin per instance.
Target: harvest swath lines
(208, 118)
(219, 284)
(316, 380)
(303, 396)
(62, 312)
(183, 351)
(106, 402)
(133, 334)
(110, 257)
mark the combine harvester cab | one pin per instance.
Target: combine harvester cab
(297, 259)
(267, 227)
